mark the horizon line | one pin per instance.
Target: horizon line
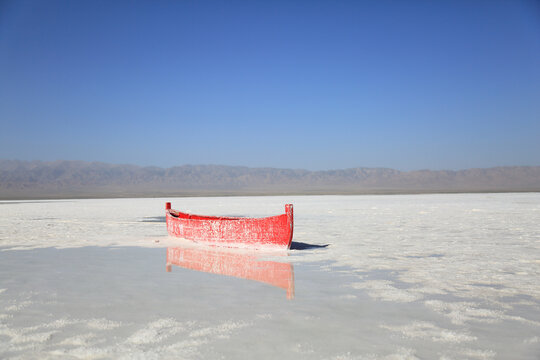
(266, 167)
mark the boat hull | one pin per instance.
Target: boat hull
(269, 232)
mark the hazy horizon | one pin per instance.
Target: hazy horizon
(79, 179)
(268, 167)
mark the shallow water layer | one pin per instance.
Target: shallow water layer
(402, 277)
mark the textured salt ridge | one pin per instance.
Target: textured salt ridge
(165, 337)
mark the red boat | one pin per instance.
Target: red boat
(230, 263)
(269, 232)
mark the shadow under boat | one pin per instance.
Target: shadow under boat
(234, 263)
(296, 245)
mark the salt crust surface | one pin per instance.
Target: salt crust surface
(458, 274)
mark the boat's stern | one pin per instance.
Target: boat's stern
(290, 222)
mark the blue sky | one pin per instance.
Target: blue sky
(290, 84)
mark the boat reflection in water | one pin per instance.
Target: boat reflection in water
(233, 263)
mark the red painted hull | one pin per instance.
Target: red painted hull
(228, 263)
(269, 232)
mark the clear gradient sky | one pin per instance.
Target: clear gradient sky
(290, 84)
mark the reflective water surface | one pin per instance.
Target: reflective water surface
(233, 262)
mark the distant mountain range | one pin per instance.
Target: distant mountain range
(78, 179)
